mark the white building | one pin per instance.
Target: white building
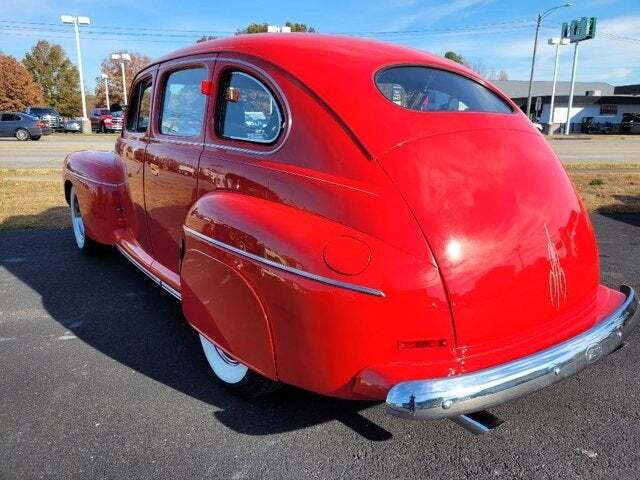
(596, 102)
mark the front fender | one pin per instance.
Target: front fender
(98, 178)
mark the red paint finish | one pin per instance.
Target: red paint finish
(466, 222)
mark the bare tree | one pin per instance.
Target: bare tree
(503, 75)
(480, 68)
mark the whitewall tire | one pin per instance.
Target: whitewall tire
(235, 375)
(83, 242)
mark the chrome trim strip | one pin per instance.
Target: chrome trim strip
(82, 177)
(153, 277)
(171, 290)
(279, 266)
(463, 394)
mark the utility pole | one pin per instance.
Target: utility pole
(75, 21)
(106, 88)
(122, 57)
(541, 17)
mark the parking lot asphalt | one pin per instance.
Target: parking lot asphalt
(49, 151)
(100, 377)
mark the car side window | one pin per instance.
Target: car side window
(7, 117)
(183, 103)
(140, 107)
(248, 110)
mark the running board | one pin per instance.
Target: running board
(168, 288)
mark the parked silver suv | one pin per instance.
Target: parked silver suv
(48, 115)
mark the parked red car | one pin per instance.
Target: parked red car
(354, 218)
(104, 120)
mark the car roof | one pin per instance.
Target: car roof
(336, 68)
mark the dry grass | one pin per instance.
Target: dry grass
(34, 198)
(608, 192)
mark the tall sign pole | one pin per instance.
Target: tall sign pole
(557, 42)
(578, 31)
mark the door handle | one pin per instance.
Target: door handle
(155, 168)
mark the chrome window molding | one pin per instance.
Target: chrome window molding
(99, 182)
(273, 100)
(153, 277)
(285, 104)
(301, 273)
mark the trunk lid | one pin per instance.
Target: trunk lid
(513, 243)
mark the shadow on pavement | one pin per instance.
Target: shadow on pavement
(115, 309)
(50, 218)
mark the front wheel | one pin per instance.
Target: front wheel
(234, 375)
(85, 244)
(22, 134)
(37, 137)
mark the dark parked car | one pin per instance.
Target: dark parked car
(48, 115)
(21, 126)
(630, 123)
(591, 125)
(104, 120)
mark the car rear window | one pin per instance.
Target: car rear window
(425, 89)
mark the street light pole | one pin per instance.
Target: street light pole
(106, 88)
(75, 21)
(541, 17)
(122, 57)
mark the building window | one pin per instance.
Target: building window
(608, 109)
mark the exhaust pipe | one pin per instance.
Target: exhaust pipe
(478, 422)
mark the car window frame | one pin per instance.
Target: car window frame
(143, 80)
(163, 76)
(507, 101)
(224, 79)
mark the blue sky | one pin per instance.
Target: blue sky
(498, 33)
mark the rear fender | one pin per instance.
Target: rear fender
(306, 300)
(98, 178)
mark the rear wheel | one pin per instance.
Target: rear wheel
(22, 134)
(84, 243)
(234, 375)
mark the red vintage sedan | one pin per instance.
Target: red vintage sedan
(354, 218)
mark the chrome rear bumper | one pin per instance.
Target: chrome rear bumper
(459, 395)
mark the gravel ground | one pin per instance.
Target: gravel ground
(101, 378)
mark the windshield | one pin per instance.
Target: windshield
(44, 111)
(427, 89)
